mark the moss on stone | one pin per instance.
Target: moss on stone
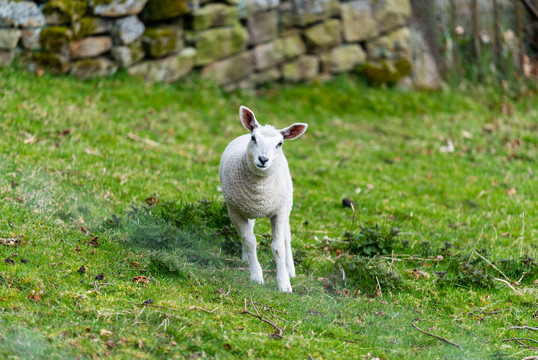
(216, 44)
(51, 62)
(93, 25)
(162, 41)
(68, 11)
(56, 39)
(385, 71)
(156, 10)
(92, 67)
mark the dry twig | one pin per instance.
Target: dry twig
(143, 140)
(278, 329)
(435, 336)
(525, 327)
(520, 342)
(191, 308)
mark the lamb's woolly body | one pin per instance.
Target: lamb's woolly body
(249, 194)
(256, 183)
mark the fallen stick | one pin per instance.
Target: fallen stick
(279, 330)
(525, 327)
(146, 141)
(435, 336)
(191, 308)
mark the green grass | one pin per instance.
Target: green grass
(69, 166)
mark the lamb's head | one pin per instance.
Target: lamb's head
(265, 146)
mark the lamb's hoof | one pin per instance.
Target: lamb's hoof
(291, 273)
(257, 279)
(286, 289)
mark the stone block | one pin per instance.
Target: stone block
(343, 58)
(128, 55)
(25, 14)
(266, 76)
(6, 57)
(323, 36)
(50, 62)
(390, 14)
(117, 8)
(167, 69)
(229, 71)
(262, 27)
(358, 21)
(90, 47)
(393, 45)
(304, 12)
(162, 41)
(158, 10)
(56, 39)
(276, 52)
(30, 38)
(62, 12)
(93, 67)
(249, 7)
(214, 15)
(216, 44)
(387, 72)
(127, 29)
(9, 38)
(304, 68)
(93, 26)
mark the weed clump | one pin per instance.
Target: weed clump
(370, 275)
(372, 240)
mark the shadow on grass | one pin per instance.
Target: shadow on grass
(177, 235)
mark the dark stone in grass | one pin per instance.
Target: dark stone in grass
(347, 202)
(148, 302)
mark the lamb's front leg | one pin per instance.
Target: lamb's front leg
(245, 228)
(279, 227)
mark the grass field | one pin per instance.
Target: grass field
(123, 249)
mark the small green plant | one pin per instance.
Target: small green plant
(370, 275)
(372, 240)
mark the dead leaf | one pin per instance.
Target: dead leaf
(9, 261)
(85, 231)
(93, 242)
(139, 344)
(141, 279)
(419, 274)
(152, 200)
(173, 343)
(135, 264)
(82, 269)
(105, 333)
(511, 191)
(10, 242)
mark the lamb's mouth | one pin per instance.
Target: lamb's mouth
(261, 167)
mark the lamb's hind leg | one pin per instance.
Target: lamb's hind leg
(245, 228)
(289, 256)
(278, 225)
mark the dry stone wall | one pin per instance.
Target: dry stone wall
(234, 43)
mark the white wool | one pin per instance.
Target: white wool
(256, 183)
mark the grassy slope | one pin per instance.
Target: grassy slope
(385, 143)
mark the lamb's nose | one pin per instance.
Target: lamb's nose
(263, 159)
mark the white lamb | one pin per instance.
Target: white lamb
(256, 183)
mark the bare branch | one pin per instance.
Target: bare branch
(435, 336)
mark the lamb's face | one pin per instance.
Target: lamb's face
(265, 148)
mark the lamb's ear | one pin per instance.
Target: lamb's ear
(247, 118)
(294, 131)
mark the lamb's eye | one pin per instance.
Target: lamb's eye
(253, 138)
(279, 145)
